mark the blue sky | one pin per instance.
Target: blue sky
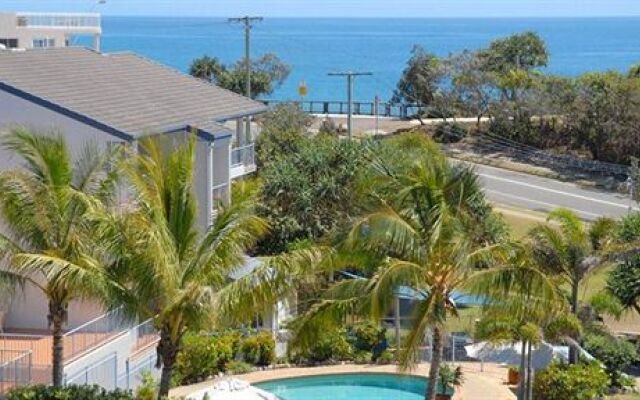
(340, 8)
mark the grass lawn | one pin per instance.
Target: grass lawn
(632, 396)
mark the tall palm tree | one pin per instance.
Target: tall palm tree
(571, 251)
(425, 232)
(44, 238)
(165, 269)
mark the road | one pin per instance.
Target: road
(543, 194)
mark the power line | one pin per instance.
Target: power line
(350, 78)
(248, 23)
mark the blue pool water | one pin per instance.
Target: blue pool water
(315, 46)
(348, 387)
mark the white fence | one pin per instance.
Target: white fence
(135, 369)
(103, 373)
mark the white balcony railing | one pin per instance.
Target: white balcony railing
(243, 155)
(93, 333)
(243, 160)
(59, 20)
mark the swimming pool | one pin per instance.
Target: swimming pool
(348, 387)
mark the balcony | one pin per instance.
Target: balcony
(88, 23)
(243, 160)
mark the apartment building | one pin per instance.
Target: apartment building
(107, 100)
(25, 30)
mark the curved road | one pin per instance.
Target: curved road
(543, 194)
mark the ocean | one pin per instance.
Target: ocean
(315, 47)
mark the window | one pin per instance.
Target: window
(44, 42)
(9, 43)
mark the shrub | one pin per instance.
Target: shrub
(259, 349)
(386, 357)
(575, 382)
(367, 336)
(239, 367)
(148, 389)
(449, 132)
(615, 354)
(202, 356)
(332, 346)
(362, 357)
(75, 392)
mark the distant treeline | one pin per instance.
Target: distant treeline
(596, 114)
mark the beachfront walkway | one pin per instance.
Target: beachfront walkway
(486, 385)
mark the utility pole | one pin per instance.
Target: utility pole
(350, 77)
(248, 22)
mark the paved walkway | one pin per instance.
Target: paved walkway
(488, 384)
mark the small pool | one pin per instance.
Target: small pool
(348, 387)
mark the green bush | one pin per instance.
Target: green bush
(72, 392)
(239, 367)
(259, 349)
(367, 336)
(333, 346)
(362, 357)
(203, 356)
(615, 354)
(575, 382)
(386, 357)
(449, 132)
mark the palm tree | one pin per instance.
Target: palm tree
(570, 251)
(165, 269)
(44, 239)
(523, 305)
(425, 232)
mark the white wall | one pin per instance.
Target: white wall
(28, 308)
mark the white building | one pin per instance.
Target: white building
(25, 30)
(106, 99)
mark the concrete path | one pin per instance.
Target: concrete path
(486, 383)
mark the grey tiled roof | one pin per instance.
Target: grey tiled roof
(124, 91)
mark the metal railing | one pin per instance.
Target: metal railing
(219, 192)
(103, 373)
(58, 20)
(92, 333)
(136, 368)
(145, 333)
(371, 108)
(15, 369)
(243, 155)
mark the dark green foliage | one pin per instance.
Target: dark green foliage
(259, 349)
(267, 73)
(308, 193)
(575, 382)
(520, 51)
(370, 338)
(624, 281)
(616, 354)
(71, 392)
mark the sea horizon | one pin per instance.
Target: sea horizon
(315, 46)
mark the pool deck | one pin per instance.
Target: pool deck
(488, 384)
